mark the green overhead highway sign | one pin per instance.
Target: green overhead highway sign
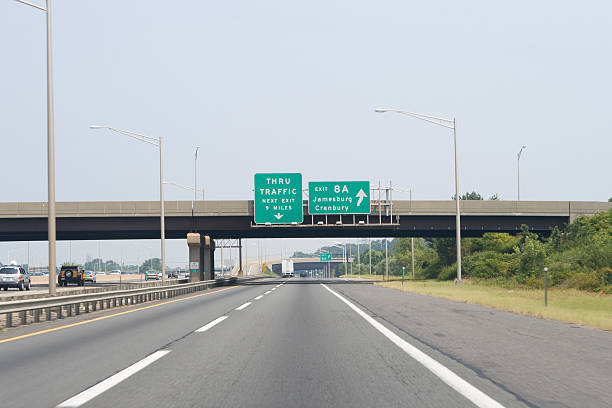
(325, 257)
(278, 198)
(339, 197)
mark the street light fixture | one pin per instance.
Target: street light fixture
(51, 230)
(157, 142)
(449, 124)
(518, 172)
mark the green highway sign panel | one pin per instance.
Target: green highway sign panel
(339, 197)
(325, 257)
(278, 198)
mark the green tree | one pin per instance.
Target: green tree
(610, 200)
(153, 264)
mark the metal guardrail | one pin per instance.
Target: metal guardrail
(22, 312)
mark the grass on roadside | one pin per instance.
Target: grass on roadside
(567, 305)
(362, 276)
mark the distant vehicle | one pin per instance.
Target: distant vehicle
(287, 268)
(172, 275)
(115, 272)
(14, 276)
(90, 276)
(303, 274)
(71, 274)
(152, 275)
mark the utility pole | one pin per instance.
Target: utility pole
(412, 241)
(370, 252)
(387, 258)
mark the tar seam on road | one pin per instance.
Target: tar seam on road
(457, 383)
(211, 324)
(243, 306)
(111, 381)
(23, 336)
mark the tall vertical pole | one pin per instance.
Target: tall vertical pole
(358, 260)
(246, 255)
(387, 259)
(411, 241)
(370, 239)
(412, 254)
(28, 256)
(162, 214)
(195, 174)
(350, 254)
(518, 177)
(50, 160)
(458, 214)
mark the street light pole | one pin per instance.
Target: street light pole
(449, 124)
(157, 142)
(518, 172)
(195, 173)
(51, 230)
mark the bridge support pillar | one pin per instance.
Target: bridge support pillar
(207, 251)
(201, 257)
(195, 264)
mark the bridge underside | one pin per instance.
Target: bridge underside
(177, 227)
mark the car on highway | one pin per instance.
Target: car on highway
(90, 276)
(14, 276)
(303, 274)
(149, 275)
(172, 274)
(71, 274)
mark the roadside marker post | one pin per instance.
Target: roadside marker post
(545, 286)
(403, 273)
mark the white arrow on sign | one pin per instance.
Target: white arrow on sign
(278, 216)
(361, 196)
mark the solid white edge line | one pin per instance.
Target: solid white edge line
(211, 324)
(111, 381)
(243, 306)
(457, 383)
(258, 297)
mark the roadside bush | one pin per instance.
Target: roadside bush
(532, 256)
(486, 265)
(534, 282)
(584, 281)
(448, 272)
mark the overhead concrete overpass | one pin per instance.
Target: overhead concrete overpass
(234, 219)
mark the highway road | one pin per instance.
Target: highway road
(286, 344)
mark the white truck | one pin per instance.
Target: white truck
(287, 271)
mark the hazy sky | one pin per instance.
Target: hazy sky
(291, 86)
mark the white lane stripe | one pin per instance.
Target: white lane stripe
(273, 289)
(243, 306)
(211, 324)
(258, 297)
(265, 293)
(111, 381)
(464, 388)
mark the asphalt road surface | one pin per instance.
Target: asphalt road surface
(305, 345)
